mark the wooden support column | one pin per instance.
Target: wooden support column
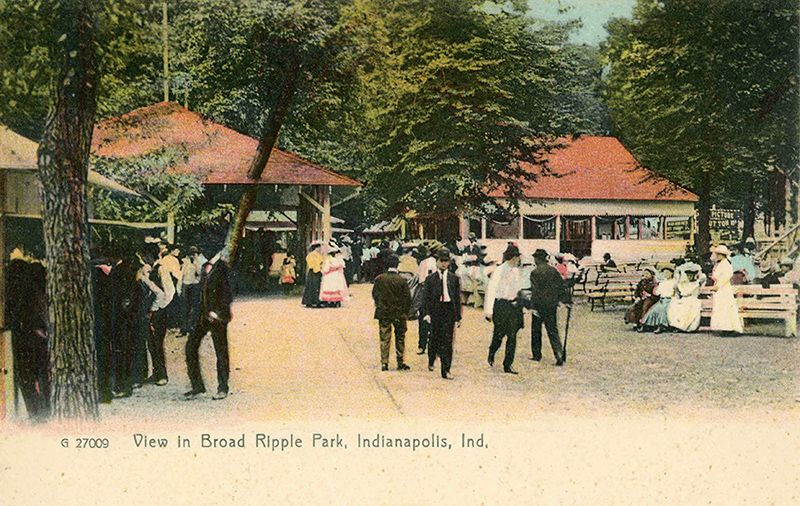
(558, 230)
(171, 228)
(318, 202)
(327, 229)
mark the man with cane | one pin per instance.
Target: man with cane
(547, 290)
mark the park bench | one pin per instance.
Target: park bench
(612, 286)
(778, 302)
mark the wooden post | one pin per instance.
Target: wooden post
(171, 228)
(165, 42)
(327, 229)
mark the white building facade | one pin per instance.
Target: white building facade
(596, 199)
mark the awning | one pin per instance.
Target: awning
(19, 153)
(394, 226)
(286, 221)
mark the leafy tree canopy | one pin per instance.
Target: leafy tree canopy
(448, 96)
(707, 94)
(129, 56)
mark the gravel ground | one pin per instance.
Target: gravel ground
(630, 419)
(291, 362)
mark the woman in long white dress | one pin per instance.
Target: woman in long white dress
(333, 288)
(684, 310)
(725, 315)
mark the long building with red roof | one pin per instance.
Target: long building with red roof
(594, 197)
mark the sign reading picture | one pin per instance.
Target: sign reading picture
(726, 225)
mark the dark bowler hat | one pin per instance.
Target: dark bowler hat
(512, 251)
(443, 254)
(540, 253)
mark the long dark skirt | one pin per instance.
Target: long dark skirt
(311, 291)
(640, 308)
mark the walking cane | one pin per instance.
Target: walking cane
(566, 331)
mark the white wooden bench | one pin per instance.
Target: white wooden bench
(778, 302)
(612, 286)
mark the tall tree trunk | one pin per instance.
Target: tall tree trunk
(749, 229)
(277, 114)
(702, 240)
(63, 167)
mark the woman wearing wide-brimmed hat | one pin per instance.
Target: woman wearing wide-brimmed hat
(645, 298)
(685, 307)
(333, 286)
(314, 261)
(725, 315)
(657, 318)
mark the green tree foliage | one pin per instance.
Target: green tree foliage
(237, 54)
(166, 191)
(266, 54)
(129, 59)
(448, 96)
(706, 93)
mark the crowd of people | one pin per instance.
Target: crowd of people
(670, 300)
(136, 299)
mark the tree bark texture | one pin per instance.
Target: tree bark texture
(703, 237)
(276, 117)
(749, 228)
(63, 167)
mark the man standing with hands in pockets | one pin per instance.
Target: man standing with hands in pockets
(392, 308)
(442, 311)
(503, 308)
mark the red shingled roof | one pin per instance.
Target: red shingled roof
(216, 153)
(600, 168)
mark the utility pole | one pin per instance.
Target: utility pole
(165, 40)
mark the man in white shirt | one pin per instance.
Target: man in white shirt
(160, 283)
(191, 272)
(503, 307)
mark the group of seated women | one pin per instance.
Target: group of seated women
(672, 300)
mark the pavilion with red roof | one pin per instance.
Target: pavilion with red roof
(595, 199)
(221, 157)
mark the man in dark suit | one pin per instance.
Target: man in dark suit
(442, 311)
(392, 298)
(26, 317)
(547, 290)
(125, 325)
(215, 305)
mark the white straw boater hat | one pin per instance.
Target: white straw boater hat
(722, 250)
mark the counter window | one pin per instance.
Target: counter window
(646, 228)
(611, 228)
(539, 227)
